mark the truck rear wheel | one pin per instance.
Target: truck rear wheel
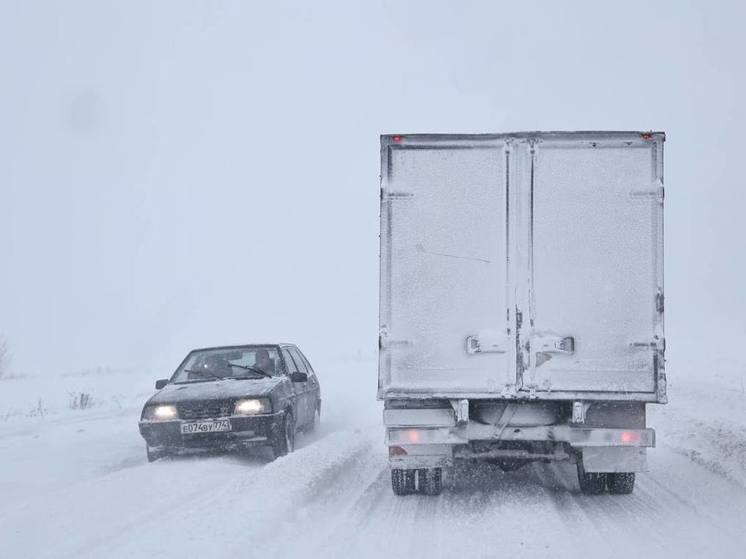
(621, 483)
(398, 481)
(409, 481)
(591, 483)
(432, 482)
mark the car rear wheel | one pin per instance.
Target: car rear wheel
(284, 440)
(314, 423)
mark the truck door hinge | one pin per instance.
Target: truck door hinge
(651, 194)
(384, 341)
(656, 343)
(392, 195)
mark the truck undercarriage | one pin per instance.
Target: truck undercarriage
(606, 440)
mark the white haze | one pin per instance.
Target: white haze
(180, 174)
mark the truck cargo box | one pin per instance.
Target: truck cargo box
(522, 266)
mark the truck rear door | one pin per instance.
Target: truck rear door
(444, 267)
(522, 263)
(594, 236)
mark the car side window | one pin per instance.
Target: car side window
(289, 363)
(298, 360)
(307, 362)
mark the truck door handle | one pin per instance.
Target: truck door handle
(554, 344)
(487, 341)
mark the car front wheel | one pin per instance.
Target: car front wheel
(154, 454)
(284, 440)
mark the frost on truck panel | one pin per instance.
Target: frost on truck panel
(448, 246)
(594, 266)
(557, 236)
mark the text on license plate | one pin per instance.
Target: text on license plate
(205, 426)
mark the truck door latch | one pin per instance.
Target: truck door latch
(554, 344)
(487, 341)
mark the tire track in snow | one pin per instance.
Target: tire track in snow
(332, 504)
(332, 498)
(538, 511)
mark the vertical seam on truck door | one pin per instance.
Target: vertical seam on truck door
(531, 301)
(507, 234)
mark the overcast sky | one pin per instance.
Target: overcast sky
(179, 174)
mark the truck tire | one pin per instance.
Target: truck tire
(398, 481)
(621, 483)
(432, 482)
(421, 475)
(591, 483)
(409, 480)
(283, 441)
(511, 465)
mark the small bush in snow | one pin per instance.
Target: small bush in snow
(80, 401)
(38, 411)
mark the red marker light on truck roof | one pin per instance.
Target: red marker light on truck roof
(396, 139)
(646, 135)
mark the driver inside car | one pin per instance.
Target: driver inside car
(263, 362)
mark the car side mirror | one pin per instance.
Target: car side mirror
(297, 376)
(161, 383)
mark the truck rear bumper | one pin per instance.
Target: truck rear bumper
(601, 449)
(577, 437)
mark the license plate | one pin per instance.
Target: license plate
(214, 426)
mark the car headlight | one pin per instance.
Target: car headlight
(160, 413)
(252, 406)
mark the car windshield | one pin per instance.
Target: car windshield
(249, 362)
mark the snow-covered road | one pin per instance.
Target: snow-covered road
(79, 486)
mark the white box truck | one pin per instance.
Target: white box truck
(521, 302)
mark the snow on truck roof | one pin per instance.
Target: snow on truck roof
(537, 135)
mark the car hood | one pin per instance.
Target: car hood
(216, 390)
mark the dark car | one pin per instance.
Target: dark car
(233, 398)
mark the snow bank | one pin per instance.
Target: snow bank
(706, 422)
(90, 391)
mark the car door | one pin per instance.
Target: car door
(300, 389)
(315, 387)
(309, 390)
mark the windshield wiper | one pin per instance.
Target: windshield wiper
(205, 371)
(252, 369)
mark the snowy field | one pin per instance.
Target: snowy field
(75, 483)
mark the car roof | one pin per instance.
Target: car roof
(233, 346)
